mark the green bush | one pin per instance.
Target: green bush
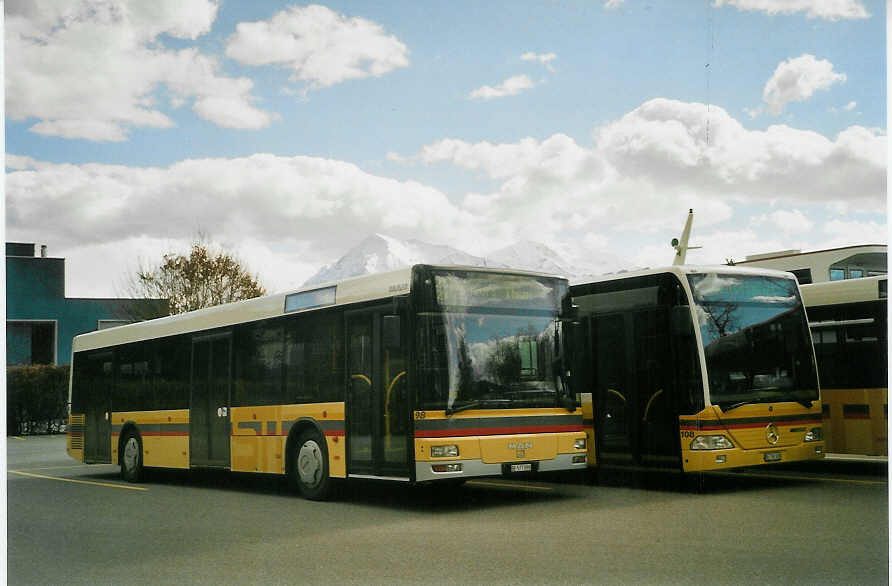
(36, 399)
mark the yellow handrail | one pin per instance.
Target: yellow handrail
(387, 409)
(651, 400)
(362, 377)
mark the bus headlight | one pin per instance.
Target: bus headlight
(711, 442)
(815, 434)
(450, 451)
(579, 444)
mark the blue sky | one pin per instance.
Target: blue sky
(291, 131)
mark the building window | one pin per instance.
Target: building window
(856, 273)
(803, 276)
(30, 342)
(837, 274)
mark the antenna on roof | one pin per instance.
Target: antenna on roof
(681, 246)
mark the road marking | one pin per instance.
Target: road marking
(21, 439)
(509, 485)
(108, 484)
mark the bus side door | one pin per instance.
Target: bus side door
(101, 373)
(209, 423)
(377, 398)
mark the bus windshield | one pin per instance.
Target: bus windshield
(755, 338)
(492, 342)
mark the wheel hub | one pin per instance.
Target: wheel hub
(131, 453)
(309, 463)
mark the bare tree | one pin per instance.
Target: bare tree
(202, 278)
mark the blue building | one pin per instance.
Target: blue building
(41, 321)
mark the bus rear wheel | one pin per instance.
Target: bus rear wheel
(131, 457)
(309, 466)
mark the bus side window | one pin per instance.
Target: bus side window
(259, 352)
(314, 353)
(171, 372)
(133, 384)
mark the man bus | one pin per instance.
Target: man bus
(422, 375)
(696, 369)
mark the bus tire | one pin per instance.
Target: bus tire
(131, 457)
(309, 466)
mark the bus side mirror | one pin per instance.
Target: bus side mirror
(681, 321)
(390, 333)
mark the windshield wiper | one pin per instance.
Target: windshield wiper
(804, 402)
(736, 405)
(474, 404)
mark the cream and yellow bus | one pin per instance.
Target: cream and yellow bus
(422, 375)
(849, 321)
(696, 368)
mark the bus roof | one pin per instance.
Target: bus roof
(343, 292)
(682, 270)
(846, 291)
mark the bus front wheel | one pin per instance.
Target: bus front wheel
(309, 466)
(131, 457)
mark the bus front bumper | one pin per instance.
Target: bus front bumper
(426, 471)
(701, 461)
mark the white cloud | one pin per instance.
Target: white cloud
(318, 45)
(850, 106)
(261, 198)
(611, 4)
(832, 10)
(510, 87)
(797, 79)
(61, 71)
(851, 232)
(655, 163)
(785, 221)
(664, 143)
(626, 194)
(544, 58)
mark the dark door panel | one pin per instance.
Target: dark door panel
(377, 395)
(209, 428)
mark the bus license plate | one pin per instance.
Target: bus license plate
(772, 457)
(527, 467)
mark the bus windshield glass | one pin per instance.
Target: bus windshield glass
(755, 337)
(492, 342)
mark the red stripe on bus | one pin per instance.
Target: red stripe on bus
(496, 430)
(334, 433)
(159, 433)
(166, 433)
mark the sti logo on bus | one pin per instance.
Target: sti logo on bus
(520, 448)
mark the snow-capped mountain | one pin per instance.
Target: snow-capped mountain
(379, 253)
(531, 256)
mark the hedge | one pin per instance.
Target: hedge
(36, 399)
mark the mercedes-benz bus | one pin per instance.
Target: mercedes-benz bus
(696, 369)
(429, 374)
